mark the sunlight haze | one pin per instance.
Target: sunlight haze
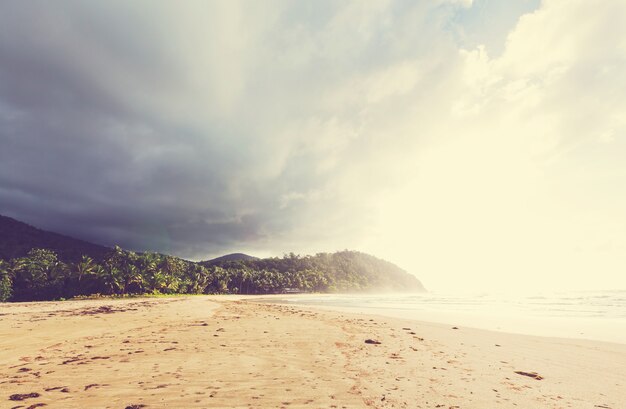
(478, 156)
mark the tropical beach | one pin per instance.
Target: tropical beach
(233, 351)
(313, 204)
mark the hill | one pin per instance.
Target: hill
(231, 257)
(40, 265)
(343, 271)
(18, 238)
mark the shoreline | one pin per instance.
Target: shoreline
(216, 351)
(601, 329)
(437, 323)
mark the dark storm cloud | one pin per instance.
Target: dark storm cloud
(77, 155)
(190, 129)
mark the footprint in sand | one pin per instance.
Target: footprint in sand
(23, 396)
(36, 405)
(94, 385)
(63, 389)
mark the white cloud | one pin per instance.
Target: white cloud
(526, 171)
(291, 125)
(464, 3)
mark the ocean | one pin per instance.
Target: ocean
(594, 315)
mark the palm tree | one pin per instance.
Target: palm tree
(219, 280)
(110, 276)
(147, 263)
(6, 281)
(83, 268)
(124, 263)
(158, 281)
(39, 275)
(244, 280)
(197, 277)
(172, 269)
(98, 272)
(129, 275)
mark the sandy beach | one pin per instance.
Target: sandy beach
(221, 352)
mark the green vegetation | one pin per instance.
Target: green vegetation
(56, 272)
(344, 271)
(40, 275)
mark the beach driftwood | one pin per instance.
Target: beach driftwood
(533, 375)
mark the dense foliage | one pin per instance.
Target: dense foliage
(349, 271)
(41, 275)
(40, 265)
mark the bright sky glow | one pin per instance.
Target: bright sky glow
(476, 145)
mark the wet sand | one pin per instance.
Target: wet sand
(221, 352)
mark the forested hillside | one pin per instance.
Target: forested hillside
(231, 257)
(17, 239)
(43, 274)
(340, 271)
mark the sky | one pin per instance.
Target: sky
(478, 144)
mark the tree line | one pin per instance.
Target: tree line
(41, 275)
